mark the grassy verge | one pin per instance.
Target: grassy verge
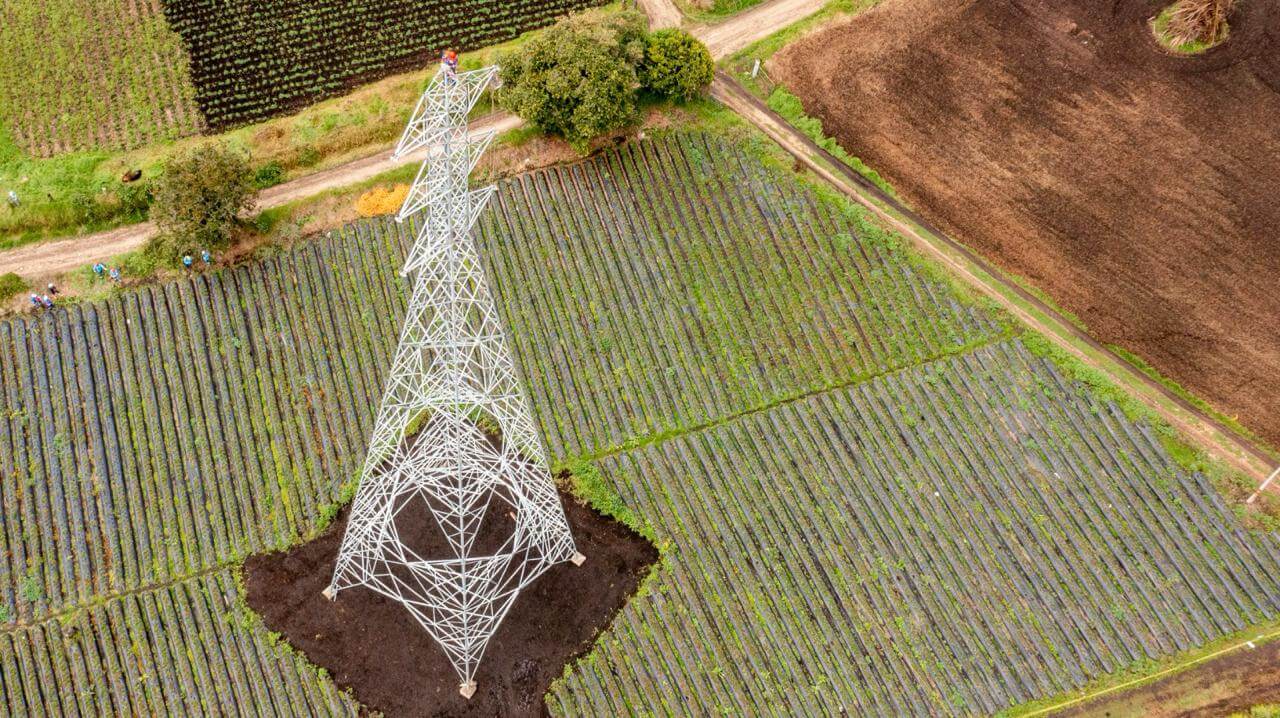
(81, 192)
(1143, 672)
(1232, 484)
(743, 65)
(741, 62)
(713, 10)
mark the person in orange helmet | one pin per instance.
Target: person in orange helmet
(449, 60)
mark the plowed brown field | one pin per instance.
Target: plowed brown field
(1140, 190)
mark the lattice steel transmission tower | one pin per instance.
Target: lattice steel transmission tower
(452, 369)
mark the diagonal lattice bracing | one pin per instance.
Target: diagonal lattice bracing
(441, 113)
(429, 459)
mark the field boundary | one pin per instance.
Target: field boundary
(567, 463)
(1142, 680)
(1208, 432)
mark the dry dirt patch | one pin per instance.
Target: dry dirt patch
(1140, 190)
(372, 645)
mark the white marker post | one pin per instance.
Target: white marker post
(1264, 486)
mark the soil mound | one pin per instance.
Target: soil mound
(372, 645)
(1140, 189)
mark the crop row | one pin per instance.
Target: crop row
(951, 539)
(86, 74)
(252, 60)
(180, 650)
(674, 282)
(174, 428)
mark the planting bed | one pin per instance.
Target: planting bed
(371, 645)
(188, 648)
(252, 60)
(950, 539)
(1136, 187)
(871, 495)
(670, 284)
(90, 74)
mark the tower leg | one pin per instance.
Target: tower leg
(329, 593)
(578, 559)
(467, 689)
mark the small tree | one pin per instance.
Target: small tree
(578, 79)
(676, 65)
(198, 200)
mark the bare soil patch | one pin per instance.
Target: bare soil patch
(1233, 683)
(372, 645)
(1141, 190)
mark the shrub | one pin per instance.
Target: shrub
(11, 285)
(268, 175)
(198, 200)
(676, 65)
(579, 79)
(1198, 21)
(382, 200)
(135, 200)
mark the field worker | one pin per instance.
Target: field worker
(52, 289)
(205, 256)
(99, 269)
(35, 301)
(449, 60)
(13, 198)
(46, 302)
(187, 261)
(115, 275)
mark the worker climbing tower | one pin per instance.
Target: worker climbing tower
(429, 461)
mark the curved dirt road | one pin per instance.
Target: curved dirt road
(49, 259)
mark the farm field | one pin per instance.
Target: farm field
(92, 74)
(253, 60)
(1059, 140)
(870, 492)
(951, 539)
(80, 75)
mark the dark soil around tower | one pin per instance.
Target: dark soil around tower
(1139, 189)
(373, 646)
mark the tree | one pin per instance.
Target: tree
(198, 200)
(579, 79)
(676, 65)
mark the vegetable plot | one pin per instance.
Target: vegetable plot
(92, 74)
(951, 539)
(673, 283)
(183, 650)
(176, 428)
(875, 499)
(252, 60)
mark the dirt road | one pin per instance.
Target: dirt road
(1136, 188)
(1031, 311)
(761, 21)
(49, 259)
(662, 13)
